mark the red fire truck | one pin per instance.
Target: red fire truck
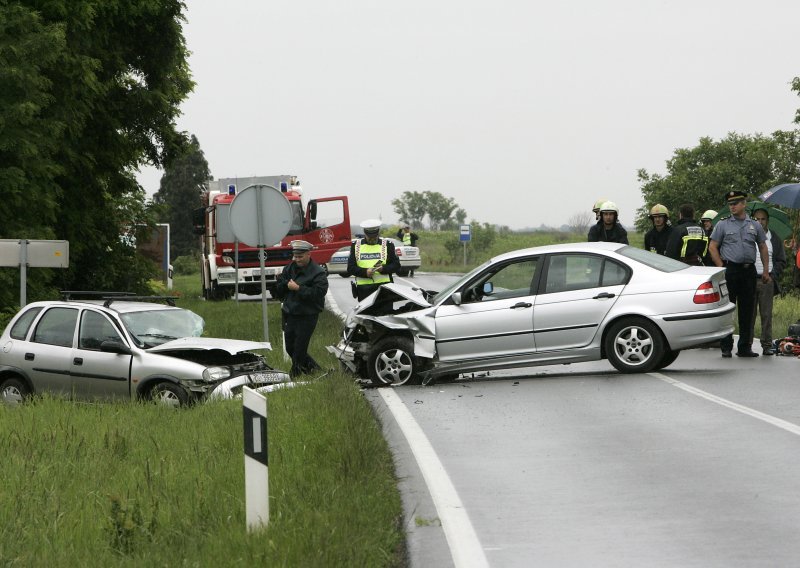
(324, 222)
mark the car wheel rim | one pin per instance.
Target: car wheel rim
(393, 366)
(633, 346)
(12, 395)
(168, 398)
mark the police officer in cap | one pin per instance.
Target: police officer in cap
(301, 287)
(372, 260)
(734, 242)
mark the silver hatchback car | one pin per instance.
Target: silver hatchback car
(546, 305)
(124, 347)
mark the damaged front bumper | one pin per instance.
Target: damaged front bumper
(261, 381)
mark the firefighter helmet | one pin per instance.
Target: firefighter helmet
(609, 206)
(708, 215)
(658, 209)
(598, 204)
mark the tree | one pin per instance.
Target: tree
(91, 91)
(700, 175)
(580, 222)
(180, 192)
(439, 208)
(411, 208)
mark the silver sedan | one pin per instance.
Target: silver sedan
(546, 305)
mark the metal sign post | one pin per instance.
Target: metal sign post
(261, 216)
(465, 235)
(32, 253)
(256, 459)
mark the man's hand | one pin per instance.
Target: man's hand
(765, 277)
(292, 285)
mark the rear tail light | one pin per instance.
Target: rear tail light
(706, 294)
(399, 252)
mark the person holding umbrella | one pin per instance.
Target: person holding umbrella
(734, 242)
(766, 292)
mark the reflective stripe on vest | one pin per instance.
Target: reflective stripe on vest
(366, 257)
(407, 239)
(695, 234)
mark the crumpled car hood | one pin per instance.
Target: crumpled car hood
(394, 292)
(232, 346)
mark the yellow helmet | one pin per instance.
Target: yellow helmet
(659, 209)
(598, 204)
(708, 215)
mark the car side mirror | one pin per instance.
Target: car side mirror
(488, 288)
(115, 347)
(456, 298)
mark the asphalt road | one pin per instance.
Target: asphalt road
(578, 465)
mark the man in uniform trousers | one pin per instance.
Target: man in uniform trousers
(734, 242)
(301, 287)
(372, 260)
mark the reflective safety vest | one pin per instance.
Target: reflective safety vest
(407, 239)
(695, 244)
(367, 256)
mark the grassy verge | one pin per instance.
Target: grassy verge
(134, 484)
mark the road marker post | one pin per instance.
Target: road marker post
(256, 470)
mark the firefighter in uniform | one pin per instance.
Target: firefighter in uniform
(596, 208)
(301, 287)
(655, 240)
(688, 241)
(706, 221)
(372, 260)
(608, 228)
(734, 242)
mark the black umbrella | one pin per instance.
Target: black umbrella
(786, 194)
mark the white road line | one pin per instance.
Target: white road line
(465, 548)
(783, 424)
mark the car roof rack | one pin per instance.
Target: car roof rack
(97, 294)
(108, 300)
(110, 297)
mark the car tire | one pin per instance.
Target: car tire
(392, 362)
(169, 394)
(634, 345)
(14, 391)
(668, 359)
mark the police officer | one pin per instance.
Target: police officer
(688, 241)
(372, 260)
(301, 287)
(734, 242)
(608, 228)
(409, 239)
(655, 240)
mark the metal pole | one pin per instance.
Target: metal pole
(262, 254)
(465, 253)
(236, 268)
(23, 273)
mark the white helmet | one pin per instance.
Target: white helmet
(609, 206)
(708, 215)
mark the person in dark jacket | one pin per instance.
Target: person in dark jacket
(765, 291)
(301, 287)
(707, 222)
(655, 240)
(608, 228)
(688, 241)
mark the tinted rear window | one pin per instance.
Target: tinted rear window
(657, 261)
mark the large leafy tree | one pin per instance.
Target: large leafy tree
(701, 175)
(91, 90)
(413, 206)
(180, 192)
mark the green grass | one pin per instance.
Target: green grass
(133, 484)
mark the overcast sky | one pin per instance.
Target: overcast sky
(524, 112)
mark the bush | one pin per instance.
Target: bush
(185, 265)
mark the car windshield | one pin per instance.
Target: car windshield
(657, 261)
(154, 327)
(454, 286)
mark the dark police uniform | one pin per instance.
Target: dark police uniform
(301, 308)
(738, 240)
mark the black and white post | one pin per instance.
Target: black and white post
(256, 470)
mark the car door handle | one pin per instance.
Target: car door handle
(603, 295)
(521, 305)
(29, 356)
(78, 360)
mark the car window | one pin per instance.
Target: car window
(154, 327)
(95, 329)
(512, 280)
(23, 324)
(657, 261)
(614, 273)
(57, 327)
(568, 272)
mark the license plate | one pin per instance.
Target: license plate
(268, 377)
(723, 288)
